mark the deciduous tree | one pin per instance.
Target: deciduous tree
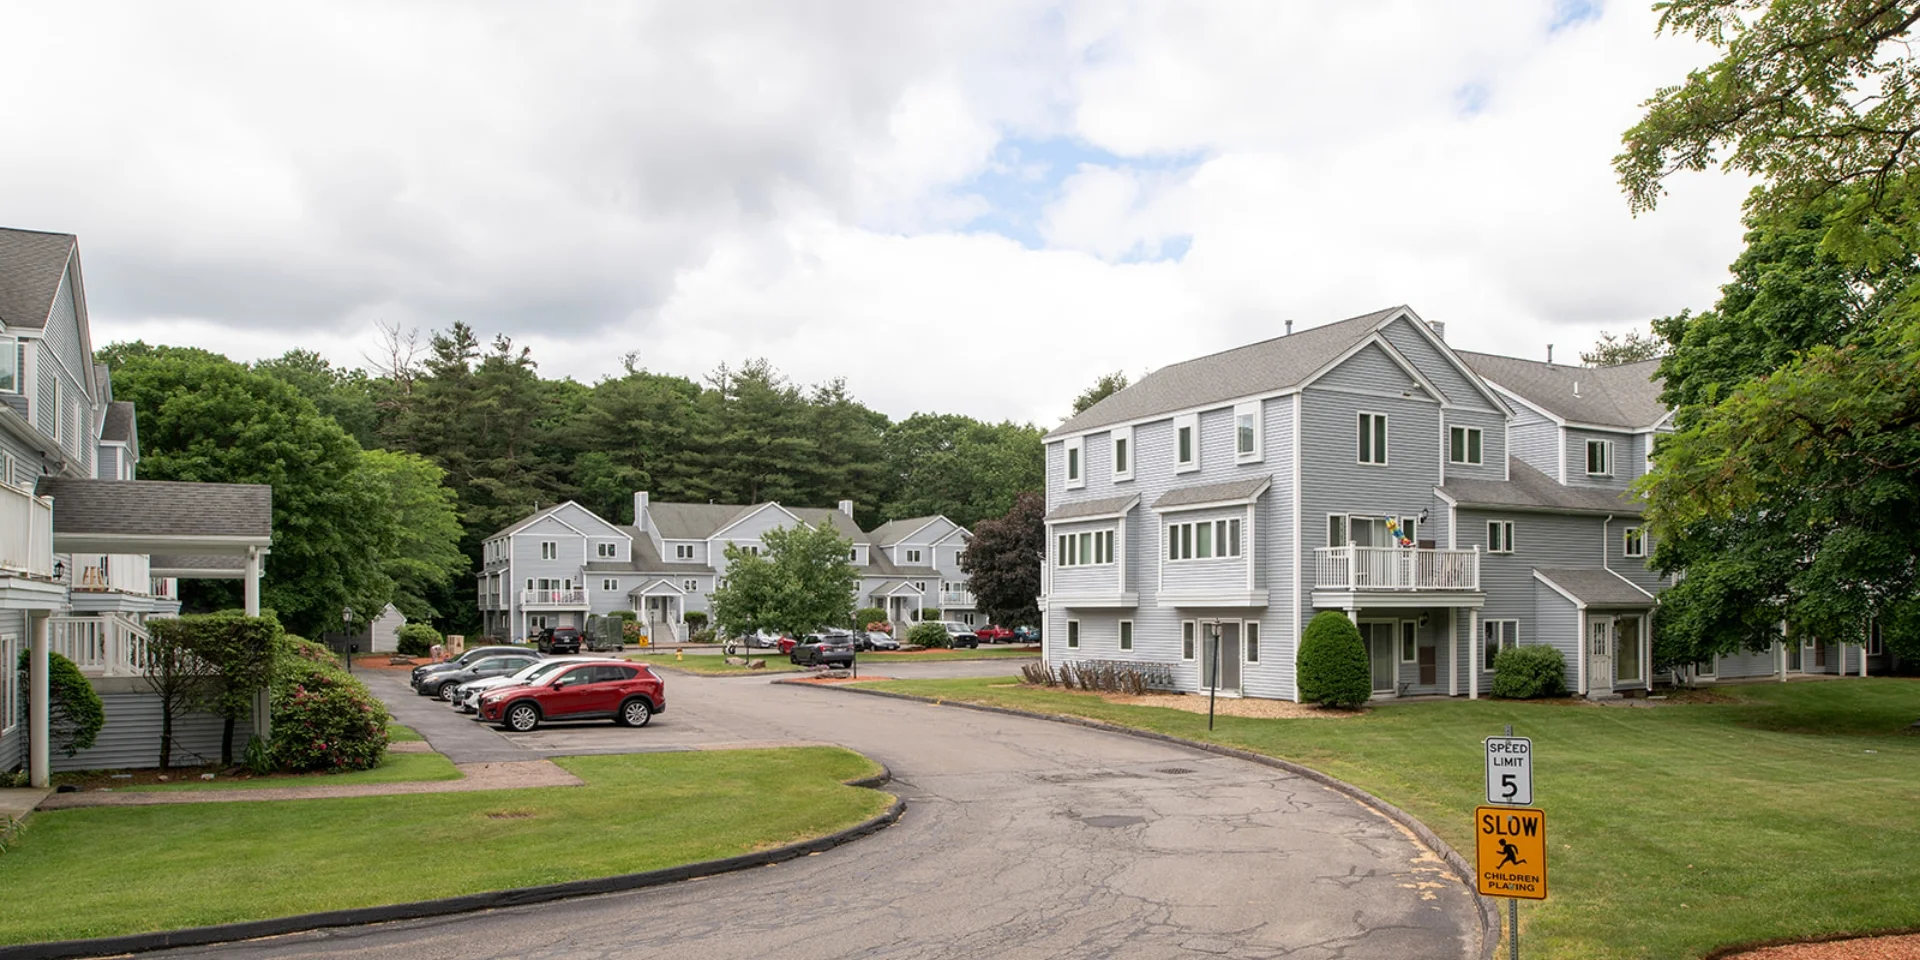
(1003, 562)
(800, 583)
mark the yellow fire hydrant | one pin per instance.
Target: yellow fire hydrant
(676, 653)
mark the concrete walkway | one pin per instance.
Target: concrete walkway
(16, 803)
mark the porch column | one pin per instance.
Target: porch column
(262, 698)
(39, 770)
(1353, 614)
(1453, 651)
(252, 600)
(1473, 653)
(1863, 660)
(1784, 638)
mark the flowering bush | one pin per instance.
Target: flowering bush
(880, 626)
(323, 719)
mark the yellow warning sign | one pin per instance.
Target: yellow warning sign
(1512, 847)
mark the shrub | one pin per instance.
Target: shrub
(703, 635)
(1530, 671)
(1333, 663)
(865, 617)
(323, 719)
(417, 640)
(928, 613)
(695, 619)
(627, 615)
(929, 635)
(74, 712)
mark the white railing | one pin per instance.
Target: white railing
(553, 598)
(109, 645)
(26, 532)
(956, 598)
(164, 588)
(1395, 568)
(118, 572)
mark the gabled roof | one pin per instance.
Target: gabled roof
(645, 559)
(1529, 489)
(31, 266)
(1592, 587)
(693, 521)
(842, 523)
(894, 531)
(1625, 397)
(159, 509)
(533, 518)
(880, 565)
(1234, 491)
(117, 427)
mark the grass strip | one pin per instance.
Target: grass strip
(393, 768)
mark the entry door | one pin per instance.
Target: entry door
(1793, 657)
(1626, 649)
(1599, 653)
(1220, 648)
(1381, 653)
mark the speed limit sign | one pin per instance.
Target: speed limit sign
(1510, 771)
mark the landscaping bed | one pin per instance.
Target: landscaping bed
(393, 768)
(1768, 811)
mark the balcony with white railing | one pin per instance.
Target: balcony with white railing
(116, 573)
(1364, 569)
(104, 646)
(553, 599)
(26, 533)
(951, 599)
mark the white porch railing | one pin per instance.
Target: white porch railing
(105, 646)
(1395, 568)
(26, 532)
(118, 572)
(956, 598)
(553, 598)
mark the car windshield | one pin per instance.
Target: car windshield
(491, 663)
(539, 668)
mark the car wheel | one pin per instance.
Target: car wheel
(636, 713)
(446, 692)
(522, 717)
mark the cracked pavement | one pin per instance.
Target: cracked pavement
(1021, 839)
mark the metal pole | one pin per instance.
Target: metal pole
(1513, 911)
(1214, 690)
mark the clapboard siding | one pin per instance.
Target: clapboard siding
(13, 719)
(1556, 623)
(1369, 369)
(131, 737)
(1625, 466)
(1634, 569)
(1459, 393)
(1541, 541)
(1535, 440)
(108, 466)
(1493, 446)
(1748, 663)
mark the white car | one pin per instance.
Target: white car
(466, 698)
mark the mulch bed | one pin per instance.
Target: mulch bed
(1901, 947)
(858, 679)
(92, 780)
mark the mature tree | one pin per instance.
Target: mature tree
(345, 395)
(1003, 562)
(635, 432)
(426, 552)
(760, 448)
(1612, 351)
(1106, 386)
(802, 582)
(961, 468)
(205, 418)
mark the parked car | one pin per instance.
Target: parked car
(767, 639)
(1026, 634)
(444, 683)
(629, 694)
(993, 634)
(831, 649)
(959, 634)
(875, 640)
(460, 662)
(466, 699)
(559, 640)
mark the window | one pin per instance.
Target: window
(913, 556)
(1122, 454)
(549, 550)
(9, 692)
(1500, 536)
(1875, 643)
(1126, 635)
(1186, 639)
(1636, 543)
(1073, 634)
(611, 586)
(529, 583)
(1409, 641)
(1246, 432)
(1205, 540)
(853, 556)
(1251, 632)
(1093, 547)
(1498, 635)
(1373, 438)
(1336, 529)
(609, 550)
(13, 355)
(920, 585)
(1075, 474)
(690, 586)
(1186, 443)
(1464, 445)
(1599, 458)
(683, 551)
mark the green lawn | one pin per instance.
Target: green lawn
(982, 653)
(113, 870)
(393, 768)
(401, 733)
(1789, 812)
(712, 666)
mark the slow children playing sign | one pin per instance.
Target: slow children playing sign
(1510, 841)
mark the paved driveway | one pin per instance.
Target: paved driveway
(1022, 838)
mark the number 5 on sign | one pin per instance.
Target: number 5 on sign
(1510, 771)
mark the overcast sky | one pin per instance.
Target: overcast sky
(969, 207)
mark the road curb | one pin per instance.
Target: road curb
(491, 900)
(1489, 911)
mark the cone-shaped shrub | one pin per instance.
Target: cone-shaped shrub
(1333, 662)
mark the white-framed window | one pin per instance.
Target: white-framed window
(1499, 536)
(690, 586)
(1076, 463)
(13, 367)
(1126, 635)
(1246, 432)
(1365, 531)
(1497, 636)
(611, 586)
(537, 621)
(1463, 445)
(549, 550)
(604, 550)
(720, 584)
(920, 585)
(9, 690)
(1250, 640)
(1122, 454)
(1876, 644)
(1073, 634)
(1409, 642)
(1204, 540)
(1373, 439)
(1599, 458)
(1635, 544)
(1085, 549)
(1186, 443)
(529, 583)
(1186, 639)
(683, 551)
(913, 556)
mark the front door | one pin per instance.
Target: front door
(1626, 650)
(1599, 654)
(1220, 657)
(1379, 635)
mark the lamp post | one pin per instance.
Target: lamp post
(346, 617)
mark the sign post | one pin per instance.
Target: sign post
(1510, 841)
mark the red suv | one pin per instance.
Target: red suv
(626, 693)
(993, 634)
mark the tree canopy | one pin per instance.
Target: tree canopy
(1108, 385)
(1003, 560)
(802, 582)
(1612, 350)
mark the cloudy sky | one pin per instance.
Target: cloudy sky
(962, 207)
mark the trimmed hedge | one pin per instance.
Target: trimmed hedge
(1333, 667)
(929, 635)
(74, 712)
(417, 639)
(323, 719)
(865, 617)
(1528, 672)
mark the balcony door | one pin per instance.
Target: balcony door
(1379, 636)
(1220, 657)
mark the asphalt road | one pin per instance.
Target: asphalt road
(1022, 838)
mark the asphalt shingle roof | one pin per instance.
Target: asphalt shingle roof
(893, 531)
(1529, 489)
(1598, 588)
(212, 563)
(1091, 508)
(159, 508)
(118, 424)
(1625, 396)
(1212, 493)
(31, 265)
